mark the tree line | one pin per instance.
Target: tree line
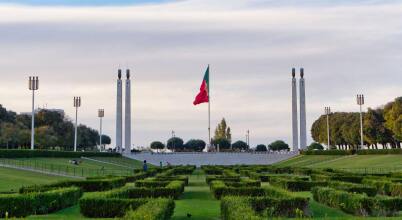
(53, 130)
(381, 126)
(222, 139)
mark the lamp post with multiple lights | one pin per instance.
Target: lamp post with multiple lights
(101, 114)
(360, 102)
(77, 104)
(327, 112)
(33, 85)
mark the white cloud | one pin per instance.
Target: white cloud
(346, 49)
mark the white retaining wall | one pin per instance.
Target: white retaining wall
(199, 159)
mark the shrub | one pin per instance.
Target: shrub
(298, 185)
(326, 152)
(98, 207)
(219, 189)
(211, 178)
(315, 146)
(21, 205)
(16, 153)
(357, 204)
(155, 209)
(353, 178)
(240, 145)
(380, 151)
(261, 148)
(353, 187)
(385, 186)
(278, 145)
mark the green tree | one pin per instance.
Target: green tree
(261, 148)
(195, 145)
(393, 118)
(223, 143)
(278, 145)
(240, 145)
(175, 144)
(157, 145)
(315, 146)
(222, 131)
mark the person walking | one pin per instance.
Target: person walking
(145, 166)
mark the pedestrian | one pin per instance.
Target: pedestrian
(145, 166)
(160, 163)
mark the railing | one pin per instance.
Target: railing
(66, 170)
(372, 170)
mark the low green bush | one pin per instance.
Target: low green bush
(98, 207)
(21, 205)
(155, 209)
(353, 187)
(150, 183)
(385, 186)
(211, 178)
(379, 151)
(357, 204)
(220, 189)
(17, 153)
(326, 152)
(298, 185)
(353, 178)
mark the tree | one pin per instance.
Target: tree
(223, 143)
(393, 117)
(278, 145)
(315, 146)
(240, 145)
(175, 144)
(222, 131)
(261, 148)
(195, 145)
(157, 145)
(106, 139)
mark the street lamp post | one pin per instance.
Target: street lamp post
(33, 85)
(77, 104)
(360, 102)
(101, 114)
(173, 141)
(248, 138)
(327, 112)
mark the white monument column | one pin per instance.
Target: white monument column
(303, 135)
(119, 114)
(295, 132)
(127, 123)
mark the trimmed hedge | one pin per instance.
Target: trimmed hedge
(211, 178)
(326, 152)
(298, 185)
(276, 203)
(385, 186)
(220, 189)
(357, 204)
(155, 209)
(354, 188)
(108, 207)
(16, 153)
(350, 152)
(21, 205)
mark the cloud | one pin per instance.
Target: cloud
(251, 45)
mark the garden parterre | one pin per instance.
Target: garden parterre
(145, 195)
(244, 197)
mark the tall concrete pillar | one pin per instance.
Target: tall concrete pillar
(119, 113)
(303, 135)
(295, 131)
(127, 116)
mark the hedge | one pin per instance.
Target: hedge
(211, 178)
(353, 178)
(155, 209)
(272, 177)
(357, 204)
(276, 203)
(21, 205)
(16, 153)
(350, 152)
(353, 187)
(98, 207)
(219, 189)
(298, 185)
(385, 186)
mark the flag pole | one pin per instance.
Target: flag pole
(209, 109)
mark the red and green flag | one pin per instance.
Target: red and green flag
(203, 95)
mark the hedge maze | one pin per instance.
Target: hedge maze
(258, 192)
(145, 195)
(244, 192)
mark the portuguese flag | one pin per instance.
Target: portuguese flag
(203, 95)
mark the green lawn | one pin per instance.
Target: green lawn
(13, 179)
(197, 200)
(109, 166)
(358, 163)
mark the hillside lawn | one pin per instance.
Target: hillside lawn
(13, 179)
(358, 163)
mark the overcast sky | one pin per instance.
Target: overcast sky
(76, 47)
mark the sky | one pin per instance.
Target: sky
(76, 47)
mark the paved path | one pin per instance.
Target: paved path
(197, 200)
